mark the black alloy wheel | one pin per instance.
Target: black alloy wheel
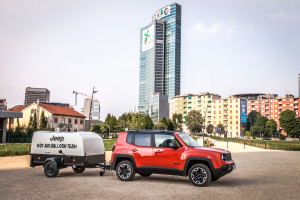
(200, 175)
(125, 171)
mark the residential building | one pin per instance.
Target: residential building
(232, 114)
(160, 49)
(201, 102)
(272, 107)
(159, 107)
(94, 111)
(34, 94)
(3, 104)
(59, 118)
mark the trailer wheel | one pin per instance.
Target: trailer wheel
(78, 169)
(50, 169)
(125, 171)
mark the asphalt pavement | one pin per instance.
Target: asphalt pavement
(259, 175)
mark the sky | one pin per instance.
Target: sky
(227, 47)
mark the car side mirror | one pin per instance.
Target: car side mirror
(173, 145)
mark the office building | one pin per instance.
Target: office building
(94, 110)
(34, 94)
(160, 48)
(159, 107)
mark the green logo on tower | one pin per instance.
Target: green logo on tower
(147, 35)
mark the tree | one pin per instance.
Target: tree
(210, 128)
(271, 127)
(43, 121)
(170, 125)
(146, 122)
(194, 121)
(248, 133)
(177, 121)
(111, 121)
(160, 126)
(220, 129)
(164, 121)
(289, 122)
(261, 121)
(251, 118)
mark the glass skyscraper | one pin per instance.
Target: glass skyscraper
(160, 46)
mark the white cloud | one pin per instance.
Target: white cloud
(217, 31)
(284, 16)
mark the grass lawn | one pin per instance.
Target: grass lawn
(12, 149)
(269, 144)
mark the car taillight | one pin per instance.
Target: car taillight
(113, 148)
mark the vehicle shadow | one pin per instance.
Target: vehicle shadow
(232, 182)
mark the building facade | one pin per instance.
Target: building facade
(59, 118)
(201, 102)
(271, 107)
(94, 110)
(232, 114)
(34, 94)
(160, 48)
(159, 107)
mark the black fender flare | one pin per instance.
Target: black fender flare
(207, 160)
(128, 157)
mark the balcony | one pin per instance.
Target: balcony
(225, 114)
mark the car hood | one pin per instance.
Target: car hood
(212, 149)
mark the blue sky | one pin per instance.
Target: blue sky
(228, 47)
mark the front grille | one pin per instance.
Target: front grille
(228, 157)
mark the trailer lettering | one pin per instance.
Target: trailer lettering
(58, 138)
(72, 146)
(47, 145)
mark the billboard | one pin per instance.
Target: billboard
(243, 111)
(162, 12)
(148, 38)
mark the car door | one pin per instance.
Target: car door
(164, 156)
(141, 150)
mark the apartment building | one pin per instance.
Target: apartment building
(232, 114)
(271, 107)
(201, 102)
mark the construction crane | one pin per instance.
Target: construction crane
(80, 93)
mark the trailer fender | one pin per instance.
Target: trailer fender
(58, 161)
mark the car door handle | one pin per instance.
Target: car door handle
(134, 150)
(158, 151)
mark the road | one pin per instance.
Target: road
(259, 175)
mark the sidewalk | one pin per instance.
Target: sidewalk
(236, 147)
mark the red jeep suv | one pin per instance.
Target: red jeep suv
(167, 152)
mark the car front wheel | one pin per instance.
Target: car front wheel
(125, 171)
(200, 175)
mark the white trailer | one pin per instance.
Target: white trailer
(57, 150)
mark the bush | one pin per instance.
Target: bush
(281, 137)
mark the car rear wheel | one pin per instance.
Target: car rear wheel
(78, 169)
(200, 175)
(144, 174)
(125, 171)
(50, 169)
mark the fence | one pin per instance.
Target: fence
(16, 140)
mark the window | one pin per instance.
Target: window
(75, 121)
(55, 120)
(188, 140)
(69, 121)
(63, 120)
(81, 121)
(129, 138)
(163, 140)
(143, 140)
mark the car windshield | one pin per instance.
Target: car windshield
(188, 140)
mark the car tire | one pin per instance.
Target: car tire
(145, 174)
(78, 169)
(50, 169)
(125, 171)
(199, 175)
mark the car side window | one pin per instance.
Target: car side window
(163, 140)
(129, 138)
(143, 140)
